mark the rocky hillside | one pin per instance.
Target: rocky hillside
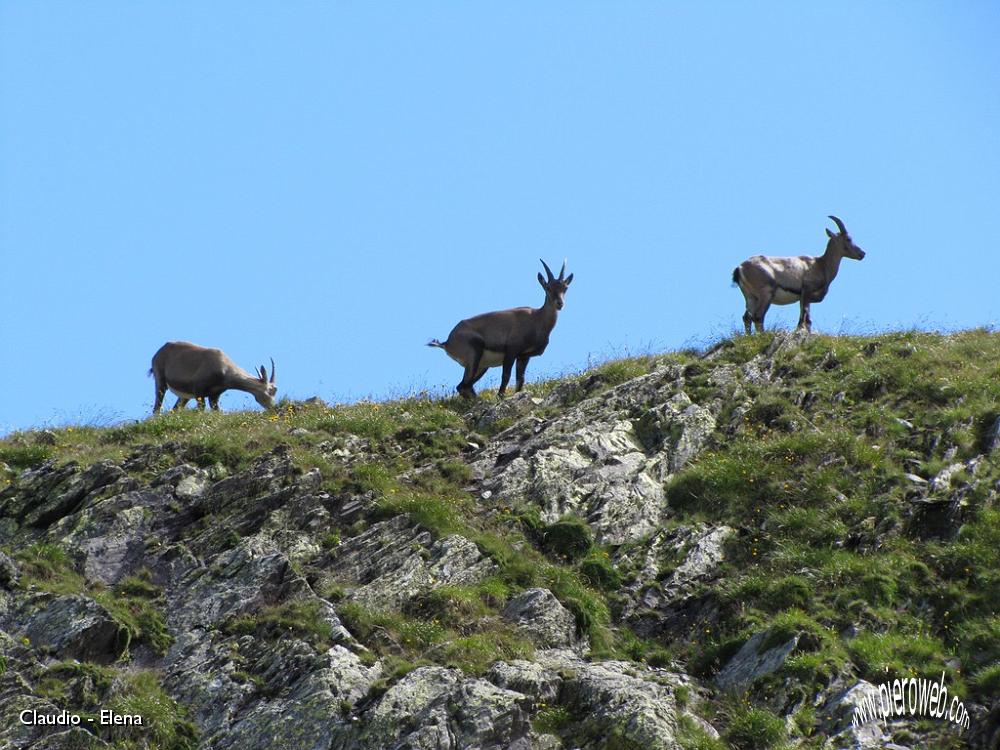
(706, 550)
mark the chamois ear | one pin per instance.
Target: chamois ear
(830, 234)
(569, 280)
(541, 280)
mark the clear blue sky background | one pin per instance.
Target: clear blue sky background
(332, 184)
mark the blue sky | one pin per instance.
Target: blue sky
(332, 184)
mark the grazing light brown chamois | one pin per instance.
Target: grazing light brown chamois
(196, 372)
(766, 280)
(506, 336)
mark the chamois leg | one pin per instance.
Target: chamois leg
(522, 365)
(470, 390)
(200, 403)
(508, 364)
(479, 375)
(181, 403)
(758, 316)
(753, 304)
(472, 372)
(804, 320)
(213, 401)
(158, 401)
(760, 308)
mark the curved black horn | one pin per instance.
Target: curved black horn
(548, 270)
(840, 224)
(272, 369)
(562, 271)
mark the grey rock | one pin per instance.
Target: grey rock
(191, 487)
(838, 715)
(434, 707)
(601, 474)
(703, 558)
(639, 703)
(932, 518)
(109, 535)
(516, 405)
(9, 574)
(72, 739)
(942, 480)
(200, 673)
(47, 493)
(680, 428)
(394, 561)
(703, 549)
(703, 725)
(74, 627)
(993, 436)
(304, 695)
(345, 448)
(753, 661)
(984, 729)
(267, 484)
(15, 697)
(244, 579)
(175, 474)
(525, 677)
(603, 459)
(543, 618)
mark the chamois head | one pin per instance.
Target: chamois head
(555, 289)
(265, 397)
(843, 242)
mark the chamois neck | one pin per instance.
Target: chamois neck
(244, 381)
(830, 260)
(548, 312)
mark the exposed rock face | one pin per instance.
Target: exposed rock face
(539, 613)
(526, 677)
(8, 572)
(48, 493)
(702, 550)
(110, 534)
(433, 707)
(839, 713)
(400, 587)
(71, 627)
(395, 561)
(754, 660)
(604, 460)
(617, 700)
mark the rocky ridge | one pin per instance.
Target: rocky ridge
(672, 552)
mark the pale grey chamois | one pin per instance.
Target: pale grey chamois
(766, 280)
(506, 336)
(192, 371)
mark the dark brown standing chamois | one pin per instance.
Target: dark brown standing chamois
(192, 371)
(506, 336)
(766, 280)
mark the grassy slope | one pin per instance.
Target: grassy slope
(812, 476)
